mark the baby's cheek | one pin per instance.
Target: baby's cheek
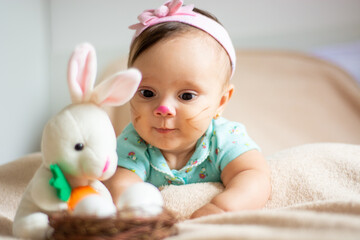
(200, 118)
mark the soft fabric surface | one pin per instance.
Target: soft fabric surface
(316, 195)
(304, 174)
(14, 178)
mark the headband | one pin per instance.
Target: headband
(174, 11)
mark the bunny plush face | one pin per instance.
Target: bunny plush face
(81, 140)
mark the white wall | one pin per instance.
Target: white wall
(24, 75)
(36, 33)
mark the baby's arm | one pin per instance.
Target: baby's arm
(247, 185)
(121, 180)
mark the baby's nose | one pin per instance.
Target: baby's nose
(164, 111)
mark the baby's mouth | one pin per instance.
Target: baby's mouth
(164, 130)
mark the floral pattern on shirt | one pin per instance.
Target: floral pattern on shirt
(220, 144)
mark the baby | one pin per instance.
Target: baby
(176, 135)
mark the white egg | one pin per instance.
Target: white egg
(95, 205)
(142, 199)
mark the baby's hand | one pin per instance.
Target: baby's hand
(205, 210)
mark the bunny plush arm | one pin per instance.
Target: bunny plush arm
(42, 194)
(80, 143)
(31, 219)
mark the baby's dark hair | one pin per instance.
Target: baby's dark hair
(158, 32)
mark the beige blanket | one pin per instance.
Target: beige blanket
(316, 195)
(285, 99)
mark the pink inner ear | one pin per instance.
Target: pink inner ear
(83, 75)
(111, 101)
(82, 72)
(118, 89)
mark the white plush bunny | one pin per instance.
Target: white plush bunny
(79, 149)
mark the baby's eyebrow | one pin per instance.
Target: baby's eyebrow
(191, 84)
(183, 83)
(145, 81)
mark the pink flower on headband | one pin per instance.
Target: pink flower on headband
(174, 11)
(170, 8)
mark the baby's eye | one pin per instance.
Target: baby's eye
(147, 93)
(187, 96)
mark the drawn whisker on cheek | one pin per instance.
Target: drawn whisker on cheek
(198, 118)
(136, 115)
(136, 119)
(199, 115)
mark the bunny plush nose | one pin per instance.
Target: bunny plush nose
(107, 164)
(108, 168)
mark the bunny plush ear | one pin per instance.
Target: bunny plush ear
(82, 73)
(118, 89)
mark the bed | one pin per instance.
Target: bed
(305, 114)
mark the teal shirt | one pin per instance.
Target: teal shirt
(222, 142)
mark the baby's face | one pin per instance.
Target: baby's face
(181, 91)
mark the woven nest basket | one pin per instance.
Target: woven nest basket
(69, 227)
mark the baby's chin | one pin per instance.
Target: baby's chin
(172, 146)
(174, 140)
(165, 145)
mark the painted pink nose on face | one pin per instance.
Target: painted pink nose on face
(164, 111)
